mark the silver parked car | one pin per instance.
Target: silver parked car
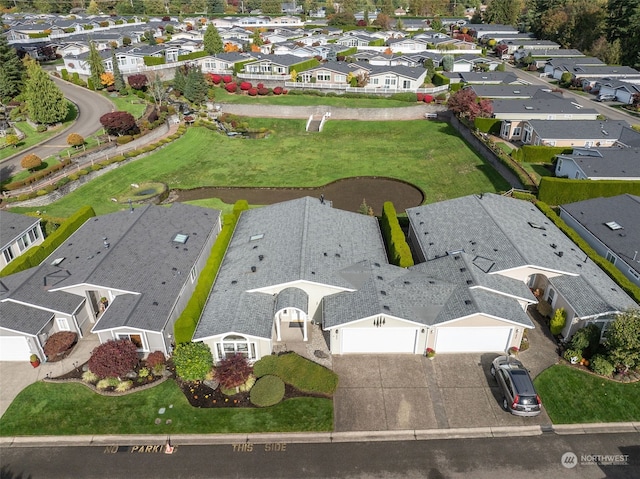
(605, 98)
(519, 395)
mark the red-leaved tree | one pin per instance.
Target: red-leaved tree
(465, 104)
(215, 79)
(231, 87)
(233, 371)
(113, 358)
(118, 122)
(138, 82)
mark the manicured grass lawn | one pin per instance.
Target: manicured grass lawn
(222, 96)
(130, 103)
(73, 409)
(574, 396)
(427, 154)
(34, 137)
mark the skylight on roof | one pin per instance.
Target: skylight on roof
(180, 238)
(57, 261)
(256, 237)
(613, 226)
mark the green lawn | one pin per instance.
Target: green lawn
(130, 103)
(427, 154)
(34, 137)
(222, 96)
(73, 409)
(573, 396)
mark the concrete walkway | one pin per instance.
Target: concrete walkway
(17, 375)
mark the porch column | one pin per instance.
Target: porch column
(304, 330)
(278, 327)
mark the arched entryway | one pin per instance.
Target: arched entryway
(291, 318)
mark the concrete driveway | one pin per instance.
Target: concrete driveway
(395, 392)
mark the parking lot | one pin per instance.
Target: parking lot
(396, 392)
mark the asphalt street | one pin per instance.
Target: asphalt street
(91, 106)
(583, 456)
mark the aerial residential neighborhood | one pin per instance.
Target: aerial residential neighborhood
(264, 227)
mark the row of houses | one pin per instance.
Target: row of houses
(483, 260)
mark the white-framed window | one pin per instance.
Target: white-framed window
(550, 296)
(323, 76)
(236, 344)
(389, 81)
(34, 234)
(516, 131)
(63, 324)
(192, 275)
(406, 84)
(634, 273)
(611, 257)
(137, 339)
(341, 78)
(8, 254)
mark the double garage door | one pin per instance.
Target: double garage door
(472, 340)
(14, 348)
(379, 340)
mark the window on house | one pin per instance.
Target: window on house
(134, 338)
(324, 76)
(516, 131)
(406, 84)
(34, 234)
(550, 297)
(8, 254)
(235, 344)
(603, 326)
(24, 242)
(192, 275)
(611, 258)
(63, 324)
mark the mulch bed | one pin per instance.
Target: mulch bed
(201, 396)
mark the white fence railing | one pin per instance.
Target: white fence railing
(306, 128)
(366, 89)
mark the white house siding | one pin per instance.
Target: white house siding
(568, 169)
(262, 346)
(18, 347)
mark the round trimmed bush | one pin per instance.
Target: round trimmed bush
(277, 90)
(268, 390)
(600, 365)
(231, 87)
(265, 365)
(192, 360)
(252, 91)
(245, 86)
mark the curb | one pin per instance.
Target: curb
(317, 438)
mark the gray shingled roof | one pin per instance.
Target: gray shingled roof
(547, 103)
(503, 233)
(593, 215)
(501, 90)
(578, 129)
(13, 225)
(611, 163)
(295, 240)
(141, 258)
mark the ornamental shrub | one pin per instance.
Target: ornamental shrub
(90, 377)
(233, 371)
(277, 90)
(107, 383)
(75, 140)
(227, 79)
(252, 91)
(245, 86)
(572, 355)
(266, 365)
(124, 386)
(192, 360)
(231, 87)
(113, 358)
(396, 242)
(428, 98)
(155, 359)
(586, 340)
(558, 321)
(215, 79)
(59, 343)
(30, 161)
(420, 96)
(267, 391)
(600, 365)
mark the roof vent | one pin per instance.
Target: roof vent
(253, 269)
(383, 293)
(260, 257)
(469, 281)
(467, 301)
(613, 226)
(337, 255)
(376, 264)
(155, 303)
(256, 237)
(380, 278)
(57, 261)
(386, 308)
(325, 253)
(234, 281)
(559, 254)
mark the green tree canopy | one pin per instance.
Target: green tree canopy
(196, 87)
(623, 339)
(11, 71)
(95, 65)
(45, 102)
(118, 80)
(212, 41)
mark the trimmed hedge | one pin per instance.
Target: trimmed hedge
(539, 154)
(152, 61)
(187, 322)
(192, 56)
(408, 97)
(34, 256)
(347, 52)
(439, 79)
(267, 391)
(394, 238)
(488, 125)
(305, 65)
(614, 273)
(239, 66)
(558, 191)
(38, 175)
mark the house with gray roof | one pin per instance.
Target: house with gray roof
(18, 233)
(576, 133)
(123, 275)
(611, 226)
(511, 238)
(600, 164)
(504, 92)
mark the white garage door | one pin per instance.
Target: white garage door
(472, 340)
(379, 340)
(14, 348)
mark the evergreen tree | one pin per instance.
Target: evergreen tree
(95, 65)
(11, 69)
(624, 25)
(45, 102)
(503, 11)
(271, 7)
(212, 41)
(93, 8)
(215, 7)
(118, 80)
(180, 79)
(256, 39)
(196, 88)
